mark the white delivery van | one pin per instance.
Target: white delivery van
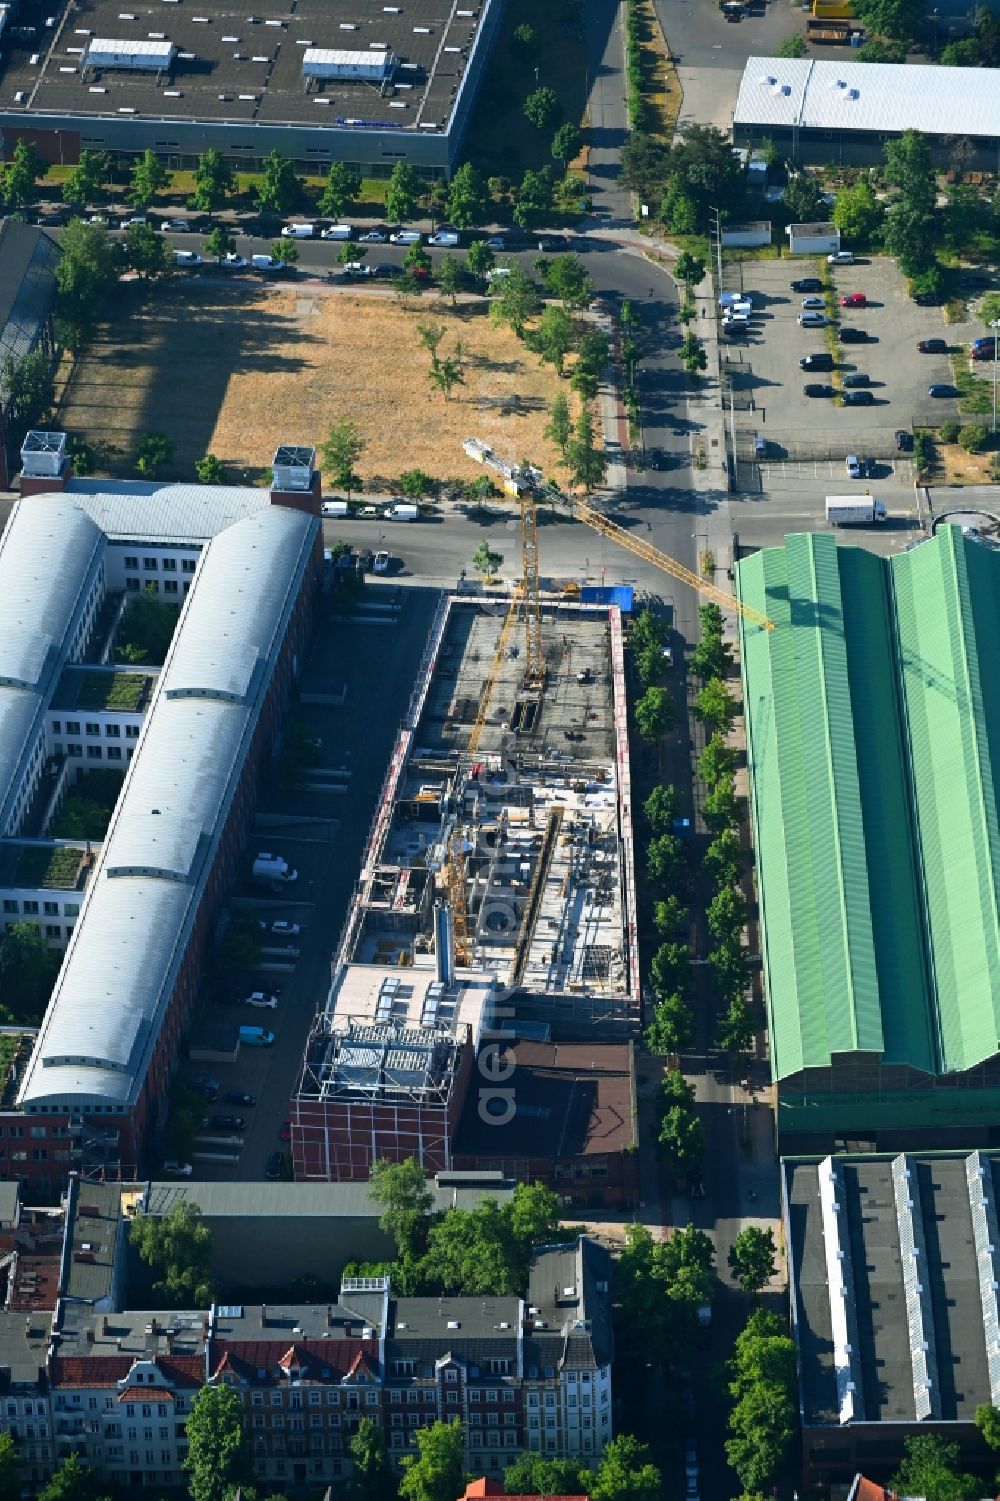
(403, 512)
(444, 237)
(335, 508)
(264, 263)
(299, 231)
(267, 867)
(337, 232)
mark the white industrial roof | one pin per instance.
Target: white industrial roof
(343, 57)
(47, 553)
(122, 48)
(880, 97)
(106, 1009)
(168, 513)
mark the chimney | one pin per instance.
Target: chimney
(154, 1328)
(444, 943)
(171, 1336)
(263, 1315)
(296, 482)
(46, 468)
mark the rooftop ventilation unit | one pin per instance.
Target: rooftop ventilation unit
(330, 62)
(293, 466)
(132, 57)
(42, 454)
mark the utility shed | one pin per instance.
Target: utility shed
(335, 62)
(138, 57)
(873, 723)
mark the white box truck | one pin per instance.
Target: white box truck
(298, 231)
(854, 510)
(403, 512)
(273, 868)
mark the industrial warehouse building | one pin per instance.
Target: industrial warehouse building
(845, 112)
(243, 565)
(873, 733)
(894, 1267)
(321, 81)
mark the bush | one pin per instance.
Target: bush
(974, 437)
(792, 46)
(923, 451)
(948, 432)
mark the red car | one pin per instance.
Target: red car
(854, 299)
(285, 1134)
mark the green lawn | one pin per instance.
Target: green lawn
(110, 690)
(40, 867)
(975, 394)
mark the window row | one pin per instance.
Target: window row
(169, 565)
(50, 909)
(93, 727)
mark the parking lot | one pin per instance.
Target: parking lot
(319, 827)
(767, 380)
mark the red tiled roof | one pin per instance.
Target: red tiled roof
(867, 1490)
(486, 1486)
(109, 1370)
(341, 1357)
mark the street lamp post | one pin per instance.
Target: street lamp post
(717, 225)
(995, 325)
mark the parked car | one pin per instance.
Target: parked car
(373, 237)
(275, 1163)
(285, 1134)
(807, 284)
(816, 303)
(854, 299)
(812, 319)
(241, 1097)
(869, 469)
(855, 379)
(357, 268)
(224, 1123)
(204, 1085)
(261, 1000)
(175, 226)
(840, 258)
(938, 390)
(264, 263)
(853, 335)
(445, 239)
(928, 299)
(760, 447)
(497, 242)
(256, 1037)
(858, 399)
(552, 242)
(405, 237)
(853, 466)
(187, 258)
(388, 269)
(818, 390)
(280, 925)
(822, 361)
(932, 346)
(232, 261)
(904, 441)
(380, 563)
(177, 1169)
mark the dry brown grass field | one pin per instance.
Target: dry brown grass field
(236, 370)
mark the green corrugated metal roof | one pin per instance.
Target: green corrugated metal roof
(872, 736)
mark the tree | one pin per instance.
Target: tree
(468, 197)
(670, 968)
(897, 19)
(513, 300)
(524, 39)
(908, 167)
(371, 1472)
(930, 1469)
(723, 859)
(625, 1472)
(402, 1192)
(701, 167)
(877, 51)
(147, 253)
(218, 1457)
(736, 1029)
(486, 561)
(592, 355)
(974, 437)
(542, 108)
(28, 968)
(717, 760)
(692, 354)
(564, 276)
(415, 484)
(752, 1258)
(430, 336)
(792, 46)
(341, 189)
(663, 859)
(213, 182)
(278, 190)
(681, 1138)
(533, 1475)
(559, 428)
(10, 1474)
(661, 808)
(588, 467)
(644, 164)
(762, 1431)
(85, 273)
(966, 53)
(567, 143)
(210, 470)
(446, 373)
(85, 183)
(672, 1027)
(402, 193)
(553, 338)
(20, 175)
(340, 451)
(450, 278)
(654, 713)
(153, 451)
(858, 214)
(670, 916)
(534, 199)
(146, 629)
(219, 243)
(479, 259)
(988, 1423)
(417, 261)
(29, 385)
(73, 1481)
(732, 972)
(726, 913)
(689, 268)
(285, 252)
(714, 705)
(149, 177)
(178, 1248)
(437, 1474)
(721, 808)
